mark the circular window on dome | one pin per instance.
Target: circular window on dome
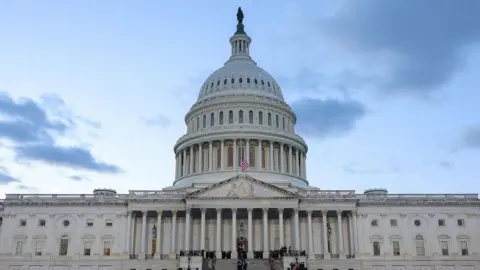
(66, 223)
(417, 222)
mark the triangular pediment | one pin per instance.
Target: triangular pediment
(242, 186)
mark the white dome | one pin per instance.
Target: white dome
(240, 75)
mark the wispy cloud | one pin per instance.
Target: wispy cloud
(158, 120)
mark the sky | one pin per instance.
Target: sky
(93, 94)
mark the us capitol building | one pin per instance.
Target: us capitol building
(215, 214)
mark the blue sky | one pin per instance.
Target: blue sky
(93, 93)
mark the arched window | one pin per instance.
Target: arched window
(420, 245)
(260, 118)
(198, 123)
(250, 117)
(230, 117)
(248, 80)
(277, 122)
(264, 158)
(230, 157)
(225, 81)
(195, 161)
(263, 83)
(255, 81)
(219, 158)
(204, 124)
(283, 122)
(253, 162)
(220, 118)
(212, 119)
(240, 80)
(233, 80)
(218, 82)
(269, 119)
(63, 246)
(240, 117)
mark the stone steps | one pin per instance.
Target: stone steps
(253, 264)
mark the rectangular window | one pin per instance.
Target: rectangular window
(393, 223)
(89, 223)
(441, 223)
(444, 246)
(464, 247)
(63, 246)
(41, 223)
(396, 248)
(39, 248)
(19, 248)
(461, 223)
(109, 223)
(376, 248)
(106, 248)
(22, 223)
(87, 248)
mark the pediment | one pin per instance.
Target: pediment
(240, 187)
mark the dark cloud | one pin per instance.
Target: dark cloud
(419, 44)
(470, 138)
(5, 177)
(158, 120)
(33, 129)
(72, 157)
(328, 117)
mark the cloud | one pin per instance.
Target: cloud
(158, 120)
(470, 139)
(418, 44)
(5, 177)
(447, 165)
(79, 178)
(73, 157)
(328, 117)
(33, 128)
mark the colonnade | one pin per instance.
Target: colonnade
(224, 155)
(326, 239)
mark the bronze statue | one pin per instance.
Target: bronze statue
(240, 15)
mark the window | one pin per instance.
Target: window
(89, 223)
(106, 248)
(263, 83)
(393, 223)
(19, 248)
(252, 157)
(464, 247)
(240, 117)
(269, 119)
(87, 248)
(441, 222)
(39, 248)
(260, 118)
(22, 223)
(240, 80)
(66, 223)
(376, 248)
(420, 245)
(396, 248)
(198, 123)
(225, 81)
(417, 222)
(109, 223)
(277, 122)
(283, 122)
(42, 222)
(264, 158)
(212, 119)
(230, 117)
(241, 155)
(218, 82)
(219, 158)
(461, 222)
(250, 117)
(230, 157)
(248, 80)
(220, 118)
(374, 223)
(255, 81)
(444, 247)
(204, 124)
(233, 80)
(63, 246)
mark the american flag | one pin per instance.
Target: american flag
(244, 165)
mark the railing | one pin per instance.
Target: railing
(347, 194)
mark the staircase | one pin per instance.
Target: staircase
(253, 264)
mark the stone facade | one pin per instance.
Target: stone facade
(240, 120)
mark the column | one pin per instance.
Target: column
(297, 162)
(173, 248)
(265, 233)
(355, 236)
(144, 234)
(184, 165)
(290, 167)
(210, 156)
(222, 154)
(280, 222)
(200, 157)
(235, 155)
(250, 233)
(350, 229)
(282, 161)
(297, 230)
(270, 158)
(326, 254)
(247, 152)
(259, 156)
(159, 233)
(129, 232)
(311, 254)
(304, 165)
(187, 229)
(340, 232)
(191, 159)
(202, 229)
(218, 252)
(234, 233)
